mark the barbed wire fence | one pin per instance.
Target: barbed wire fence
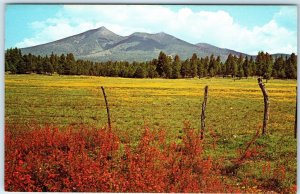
(89, 108)
(91, 111)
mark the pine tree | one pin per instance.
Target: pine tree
(184, 68)
(193, 65)
(69, 67)
(259, 63)
(167, 68)
(252, 69)
(6, 66)
(267, 66)
(246, 67)
(21, 67)
(152, 73)
(234, 69)
(13, 58)
(61, 64)
(161, 63)
(227, 66)
(278, 68)
(176, 67)
(223, 69)
(48, 68)
(139, 73)
(205, 65)
(240, 70)
(39, 65)
(218, 66)
(200, 68)
(54, 61)
(291, 67)
(212, 66)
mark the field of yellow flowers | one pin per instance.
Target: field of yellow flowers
(234, 113)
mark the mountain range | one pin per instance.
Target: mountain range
(102, 44)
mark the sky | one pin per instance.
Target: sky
(243, 28)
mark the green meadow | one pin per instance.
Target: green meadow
(234, 112)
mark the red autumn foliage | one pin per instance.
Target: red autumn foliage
(90, 160)
(249, 151)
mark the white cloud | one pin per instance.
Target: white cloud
(287, 16)
(217, 28)
(28, 42)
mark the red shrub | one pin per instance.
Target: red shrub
(94, 161)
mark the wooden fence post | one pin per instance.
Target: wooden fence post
(203, 116)
(295, 126)
(266, 105)
(107, 107)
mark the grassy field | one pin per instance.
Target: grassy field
(234, 111)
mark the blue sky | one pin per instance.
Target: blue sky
(243, 28)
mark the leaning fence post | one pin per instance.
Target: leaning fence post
(295, 126)
(107, 107)
(266, 105)
(203, 116)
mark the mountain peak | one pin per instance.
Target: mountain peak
(162, 34)
(103, 30)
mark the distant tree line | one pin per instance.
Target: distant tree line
(164, 66)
